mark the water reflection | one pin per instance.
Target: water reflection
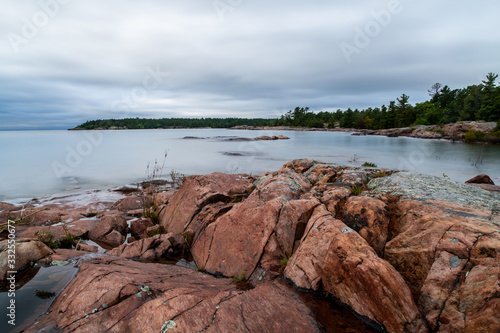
(28, 306)
(121, 157)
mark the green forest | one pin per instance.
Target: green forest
(475, 102)
(147, 123)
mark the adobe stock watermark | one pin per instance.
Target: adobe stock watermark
(363, 35)
(31, 27)
(11, 272)
(222, 7)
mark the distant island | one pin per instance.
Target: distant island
(475, 103)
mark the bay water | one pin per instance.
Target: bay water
(47, 163)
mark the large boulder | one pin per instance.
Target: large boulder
(117, 295)
(26, 251)
(234, 243)
(111, 228)
(335, 257)
(480, 179)
(447, 248)
(197, 192)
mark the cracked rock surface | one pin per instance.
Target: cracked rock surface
(117, 295)
(411, 253)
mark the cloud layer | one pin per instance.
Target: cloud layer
(64, 62)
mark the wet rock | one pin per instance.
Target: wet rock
(480, 179)
(332, 255)
(7, 207)
(111, 228)
(129, 203)
(26, 252)
(117, 295)
(233, 153)
(48, 214)
(198, 191)
(58, 232)
(138, 227)
(63, 257)
(153, 247)
(370, 218)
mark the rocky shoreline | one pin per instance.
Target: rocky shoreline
(453, 131)
(404, 252)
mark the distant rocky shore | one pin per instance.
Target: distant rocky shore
(453, 131)
(403, 252)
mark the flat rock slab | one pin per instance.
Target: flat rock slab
(412, 185)
(116, 295)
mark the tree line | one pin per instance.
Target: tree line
(475, 102)
(147, 123)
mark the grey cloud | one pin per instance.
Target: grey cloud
(260, 60)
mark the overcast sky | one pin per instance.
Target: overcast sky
(64, 62)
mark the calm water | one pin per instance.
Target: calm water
(44, 163)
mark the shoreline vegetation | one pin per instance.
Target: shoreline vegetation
(471, 112)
